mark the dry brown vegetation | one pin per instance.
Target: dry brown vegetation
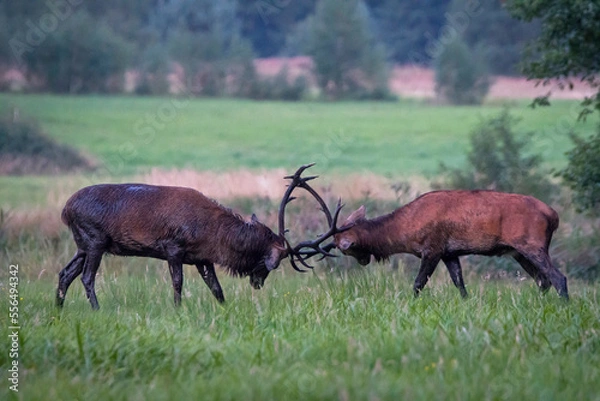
(226, 187)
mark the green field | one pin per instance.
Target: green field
(340, 332)
(127, 135)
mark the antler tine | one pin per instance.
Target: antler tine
(316, 244)
(299, 172)
(298, 253)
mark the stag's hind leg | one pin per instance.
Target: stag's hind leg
(207, 271)
(90, 268)
(67, 275)
(541, 260)
(540, 279)
(453, 265)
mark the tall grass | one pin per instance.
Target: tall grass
(334, 333)
(359, 334)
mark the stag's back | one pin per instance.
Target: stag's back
(140, 216)
(479, 220)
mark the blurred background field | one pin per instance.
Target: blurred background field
(127, 137)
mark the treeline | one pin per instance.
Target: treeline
(72, 46)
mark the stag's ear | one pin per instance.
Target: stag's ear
(355, 216)
(345, 244)
(254, 219)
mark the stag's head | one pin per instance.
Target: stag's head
(268, 256)
(347, 238)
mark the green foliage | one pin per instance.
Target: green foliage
(568, 45)
(154, 70)
(207, 41)
(497, 160)
(578, 252)
(77, 59)
(347, 59)
(26, 149)
(280, 87)
(582, 173)
(408, 31)
(460, 74)
(488, 26)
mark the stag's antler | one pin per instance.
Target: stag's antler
(298, 253)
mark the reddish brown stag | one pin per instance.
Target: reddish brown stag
(179, 225)
(444, 225)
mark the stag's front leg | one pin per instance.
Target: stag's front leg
(207, 271)
(428, 265)
(176, 270)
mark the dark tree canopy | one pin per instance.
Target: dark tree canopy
(568, 47)
(148, 35)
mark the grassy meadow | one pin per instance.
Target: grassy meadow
(127, 135)
(340, 332)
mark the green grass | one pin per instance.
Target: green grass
(130, 134)
(353, 335)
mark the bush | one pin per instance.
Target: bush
(577, 252)
(279, 87)
(460, 75)
(582, 173)
(497, 160)
(25, 149)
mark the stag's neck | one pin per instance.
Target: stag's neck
(386, 235)
(245, 245)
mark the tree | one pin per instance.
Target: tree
(267, 23)
(79, 59)
(348, 61)
(460, 74)
(567, 49)
(207, 41)
(408, 31)
(568, 45)
(489, 26)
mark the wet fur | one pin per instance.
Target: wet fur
(179, 225)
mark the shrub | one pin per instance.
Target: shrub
(279, 87)
(498, 160)
(582, 173)
(25, 149)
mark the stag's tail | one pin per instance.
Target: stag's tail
(553, 221)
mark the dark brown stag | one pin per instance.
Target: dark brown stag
(179, 225)
(444, 225)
